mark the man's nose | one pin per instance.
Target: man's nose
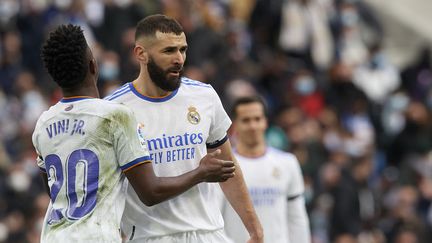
(179, 58)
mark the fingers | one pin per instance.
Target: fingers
(228, 172)
(228, 169)
(227, 163)
(225, 177)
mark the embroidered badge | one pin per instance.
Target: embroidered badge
(140, 132)
(68, 108)
(193, 116)
(276, 173)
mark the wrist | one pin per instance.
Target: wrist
(257, 232)
(198, 175)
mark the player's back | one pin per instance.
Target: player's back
(79, 145)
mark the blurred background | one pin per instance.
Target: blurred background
(348, 84)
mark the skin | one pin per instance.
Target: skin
(150, 188)
(168, 51)
(250, 126)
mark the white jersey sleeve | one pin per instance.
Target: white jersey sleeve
(296, 184)
(219, 124)
(128, 142)
(39, 160)
(298, 221)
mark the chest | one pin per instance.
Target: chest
(268, 182)
(178, 117)
(265, 175)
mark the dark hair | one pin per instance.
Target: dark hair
(247, 100)
(157, 22)
(64, 54)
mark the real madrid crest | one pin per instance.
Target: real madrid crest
(193, 116)
(276, 173)
(140, 132)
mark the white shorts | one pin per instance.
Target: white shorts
(217, 236)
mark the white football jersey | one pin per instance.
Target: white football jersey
(83, 145)
(272, 180)
(179, 128)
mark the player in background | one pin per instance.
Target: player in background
(86, 145)
(183, 121)
(273, 177)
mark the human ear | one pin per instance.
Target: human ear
(141, 54)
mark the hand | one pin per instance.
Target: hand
(215, 170)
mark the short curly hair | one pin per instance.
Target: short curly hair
(64, 54)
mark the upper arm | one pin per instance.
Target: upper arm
(226, 150)
(296, 183)
(142, 178)
(128, 141)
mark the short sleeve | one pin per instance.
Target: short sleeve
(220, 123)
(129, 143)
(39, 159)
(296, 184)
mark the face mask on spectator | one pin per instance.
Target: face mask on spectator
(305, 85)
(349, 18)
(109, 71)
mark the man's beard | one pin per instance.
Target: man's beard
(160, 77)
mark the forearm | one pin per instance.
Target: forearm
(165, 188)
(152, 189)
(235, 191)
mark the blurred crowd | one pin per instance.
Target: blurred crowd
(360, 126)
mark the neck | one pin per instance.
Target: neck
(145, 86)
(252, 151)
(84, 90)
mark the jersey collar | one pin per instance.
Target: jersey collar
(74, 98)
(152, 99)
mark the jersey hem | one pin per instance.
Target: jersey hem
(217, 143)
(135, 162)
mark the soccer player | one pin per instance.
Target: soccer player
(273, 177)
(183, 120)
(84, 144)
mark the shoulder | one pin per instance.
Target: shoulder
(48, 114)
(113, 107)
(198, 89)
(119, 93)
(106, 109)
(195, 83)
(286, 158)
